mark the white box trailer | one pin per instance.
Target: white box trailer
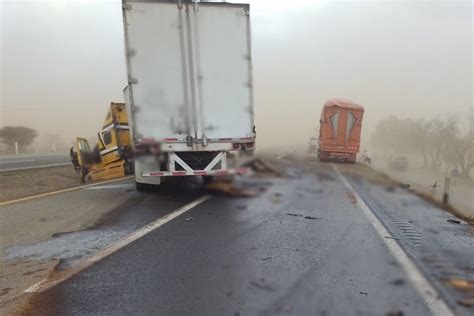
(189, 86)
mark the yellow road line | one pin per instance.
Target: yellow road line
(60, 191)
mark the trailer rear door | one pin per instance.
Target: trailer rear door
(189, 69)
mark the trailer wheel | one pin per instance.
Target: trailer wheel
(145, 186)
(207, 180)
(352, 158)
(323, 156)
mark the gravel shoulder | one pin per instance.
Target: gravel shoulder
(23, 183)
(39, 219)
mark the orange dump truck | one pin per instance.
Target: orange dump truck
(339, 133)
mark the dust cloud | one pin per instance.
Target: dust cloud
(62, 62)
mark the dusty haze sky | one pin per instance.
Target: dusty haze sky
(62, 62)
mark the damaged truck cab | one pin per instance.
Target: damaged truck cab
(112, 155)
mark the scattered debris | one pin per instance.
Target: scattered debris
(302, 215)
(229, 294)
(466, 302)
(228, 188)
(295, 214)
(397, 282)
(276, 200)
(262, 285)
(188, 219)
(241, 207)
(395, 313)
(390, 237)
(259, 166)
(453, 221)
(266, 258)
(405, 186)
(351, 197)
(461, 284)
(364, 293)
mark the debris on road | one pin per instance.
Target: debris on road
(241, 207)
(351, 197)
(266, 258)
(229, 188)
(262, 285)
(397, 282)
(259, 166)
(276, 198)
(466, 302)
(188, 219)
(295, 214)
(364, 293)
(453, 221)
(461, 284)
(304, 216)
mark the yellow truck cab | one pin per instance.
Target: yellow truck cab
(112, 156)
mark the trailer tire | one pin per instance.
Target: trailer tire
(145, 186)
(207, 180)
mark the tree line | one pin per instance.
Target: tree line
(444, 142)
(23, 136)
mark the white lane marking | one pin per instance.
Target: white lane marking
(36, 167)
(87, 262)
(80, 187)
(112, 186)
(17, 161)
(425, 289)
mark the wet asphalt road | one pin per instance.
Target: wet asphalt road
(301, 247)
(29, 161)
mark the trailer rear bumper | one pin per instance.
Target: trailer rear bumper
(179, 164)
(195, 173)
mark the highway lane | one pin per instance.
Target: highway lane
(302, 247)
(35, 160)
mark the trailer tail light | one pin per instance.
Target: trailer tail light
(249, 145)
(236, 146)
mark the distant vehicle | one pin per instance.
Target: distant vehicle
(313, 145)
(399, 163)
(112, 155)
(340, 128)
(189, 87)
